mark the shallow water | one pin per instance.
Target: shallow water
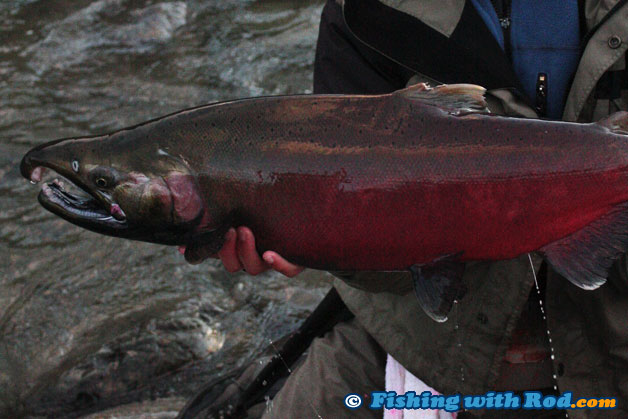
(88, 321)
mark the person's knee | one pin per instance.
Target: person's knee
(345, 360)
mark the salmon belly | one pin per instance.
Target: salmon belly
(324, 225)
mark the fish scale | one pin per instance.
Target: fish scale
(423, 178)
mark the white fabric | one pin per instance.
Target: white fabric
(399, 380)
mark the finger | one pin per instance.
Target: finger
(249, 258)
(228, 253)
(281, 265)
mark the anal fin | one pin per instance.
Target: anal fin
(437, 285)
(585, 257)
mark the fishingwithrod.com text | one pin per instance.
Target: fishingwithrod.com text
(491, 400)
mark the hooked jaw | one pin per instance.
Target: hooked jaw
(162, 202)
(37, 174)
(95, 211)
(84, 211)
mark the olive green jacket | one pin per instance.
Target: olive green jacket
(589, 329)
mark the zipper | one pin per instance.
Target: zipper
(540, 104)
(503, 11)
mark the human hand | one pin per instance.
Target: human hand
(239, 252)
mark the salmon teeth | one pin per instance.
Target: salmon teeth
(37, 174)
(117, 212)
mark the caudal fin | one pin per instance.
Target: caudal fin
(585, 256)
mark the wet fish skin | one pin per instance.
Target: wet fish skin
(352, 182)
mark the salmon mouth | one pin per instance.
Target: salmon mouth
(79, 203)
(80, 209)
(80, 197)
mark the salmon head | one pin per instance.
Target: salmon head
(126, 185)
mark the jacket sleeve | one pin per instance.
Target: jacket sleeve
(399, 282)
(618, 275)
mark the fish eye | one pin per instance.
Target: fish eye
(103, 177)
(75, 166)
(101, 182)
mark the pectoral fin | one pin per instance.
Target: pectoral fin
(206, 244)
(585, 256)
(438, 284)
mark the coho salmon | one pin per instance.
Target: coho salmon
(422, 179)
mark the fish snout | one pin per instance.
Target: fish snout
(31, 166)
(26, 166)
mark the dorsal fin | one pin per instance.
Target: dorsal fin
(457, 99)
(616, 122)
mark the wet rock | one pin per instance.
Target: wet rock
(158, 409)
(89, 322)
